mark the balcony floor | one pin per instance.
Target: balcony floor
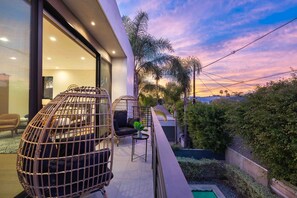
(131, 179)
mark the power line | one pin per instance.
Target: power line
(241, 48)
(205, 86)
(250, 80)
(225, 78)
(218, 83)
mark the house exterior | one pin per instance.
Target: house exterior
(48, 46)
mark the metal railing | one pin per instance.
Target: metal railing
(169, 180)
(145, 116)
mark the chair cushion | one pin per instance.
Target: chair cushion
(121, 117)
(131, 122)
(125, 131)
(75, 173)
(8, 122)
(76, 145)
(115, 125)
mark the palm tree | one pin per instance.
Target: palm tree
(149, 91)
(172, 93)
(181, 69)
(149, 52)
(182, 73)
(195, 65)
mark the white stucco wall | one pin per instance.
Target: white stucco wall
(119, 75)
(122, 68)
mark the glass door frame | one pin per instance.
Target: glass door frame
(35, 75)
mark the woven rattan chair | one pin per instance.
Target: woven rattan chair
(125, 111)
(67, 148)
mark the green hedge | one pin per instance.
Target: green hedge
(206, 127)
(267, 121)
(201, 170)
(245, 184)
(204, 169)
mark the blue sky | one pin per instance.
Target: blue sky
(212, 29)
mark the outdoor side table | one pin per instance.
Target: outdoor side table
(136, 137)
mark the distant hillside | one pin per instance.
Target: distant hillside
(209, 99)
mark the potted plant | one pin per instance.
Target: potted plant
(139, 127)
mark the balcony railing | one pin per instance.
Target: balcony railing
(169, 180)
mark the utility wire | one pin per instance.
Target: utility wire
(241, 48)
(205, 86)
(218, 83)
(226, 78)
(250, 80)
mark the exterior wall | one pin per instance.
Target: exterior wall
(122, 68)
(256, 171)
(112, 14)
(119, 78)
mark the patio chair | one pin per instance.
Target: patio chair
(62, 151)
(125, 111)
(9, 122)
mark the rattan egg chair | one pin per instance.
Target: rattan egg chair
(67, 148)
(125, 111)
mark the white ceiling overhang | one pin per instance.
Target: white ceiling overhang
(86, 11)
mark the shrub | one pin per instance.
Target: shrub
(245, 184)
(206, 127)
(267, 120)
(180, 113)
(201, 170)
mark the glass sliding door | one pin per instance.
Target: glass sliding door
(14, 59)
(66, 63)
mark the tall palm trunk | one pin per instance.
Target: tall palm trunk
(157, 84)
(136, 88)
(186, 135)
(194, 85)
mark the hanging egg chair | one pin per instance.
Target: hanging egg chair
(67, 148)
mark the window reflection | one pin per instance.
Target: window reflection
(14, 60)
(105, 76)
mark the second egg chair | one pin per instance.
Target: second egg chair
(125, 111)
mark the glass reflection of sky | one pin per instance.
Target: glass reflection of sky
(15, 26)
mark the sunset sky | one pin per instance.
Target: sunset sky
(212, 29)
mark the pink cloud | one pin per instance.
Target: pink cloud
(181, 25)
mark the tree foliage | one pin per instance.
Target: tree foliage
(149, 52)
(267, 120)
(206, 127)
